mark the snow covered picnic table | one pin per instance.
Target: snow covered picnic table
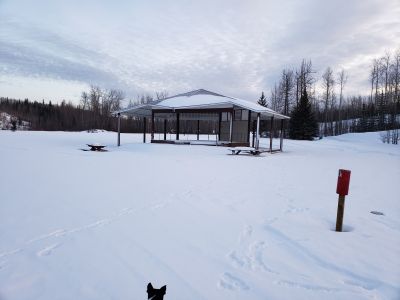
(96, 147)
(251, 150)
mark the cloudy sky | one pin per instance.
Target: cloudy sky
(54, 50)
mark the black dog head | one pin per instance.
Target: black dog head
(155, 294)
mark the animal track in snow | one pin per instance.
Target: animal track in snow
(63, 232)
(247, 231)
(11, 252)
(238, 261)
(48, 250)
(98, 223)
(230, 282)
(252, 259)
(294, 209)
(305, 286)
(57, 233)
(271, 221)
(256, 256)
(248, 255)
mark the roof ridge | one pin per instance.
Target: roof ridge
(196, 92)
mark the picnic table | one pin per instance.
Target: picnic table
(96, 147)
(249, 150)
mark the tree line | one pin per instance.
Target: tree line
(335, 113)
(94, 111)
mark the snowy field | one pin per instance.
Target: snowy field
(86, 225)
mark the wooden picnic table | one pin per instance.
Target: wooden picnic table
(250, 150)
(96, 147)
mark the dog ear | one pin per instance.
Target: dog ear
(163, 289)
(150, 287)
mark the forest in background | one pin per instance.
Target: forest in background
(336, 114)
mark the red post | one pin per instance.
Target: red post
(342, 189)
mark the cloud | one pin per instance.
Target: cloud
(234, 47)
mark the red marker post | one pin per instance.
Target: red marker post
(342, 189)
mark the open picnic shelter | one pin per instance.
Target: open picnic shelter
(233, 120)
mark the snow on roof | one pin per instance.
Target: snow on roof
(201, 99)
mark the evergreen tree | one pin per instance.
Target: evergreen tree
(303, 125)
(262, 101)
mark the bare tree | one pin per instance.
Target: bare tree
(304, 79)
(84, 105)
(95, 95)
(396, 77)
(276, 98)
(84, 100)
(287, 86)
(373, 76)
(110, 102)
(385, 67)
(342, 79)
(144, 98)
(376, 74)
(328, 84)
(161, 95)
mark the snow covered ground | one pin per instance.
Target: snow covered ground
(88, 225)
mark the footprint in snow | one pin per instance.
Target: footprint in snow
(230, 282)
(294, 209)
(247, 231)
(292, 284)
(48, 250)
(252, 259)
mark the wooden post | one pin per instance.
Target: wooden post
(231, 127)
(342, 189)
(340, 212)
(165, 129)
(271, 134)
(198, 129)
(258, 132)
(177, 126)
(254, 132)
(119, 129)
(249, 128)
(219, 126)
(281, 137)
(144, 129)
(152, 125)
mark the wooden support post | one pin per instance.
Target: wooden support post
(231, 126)
(177, 126)
(165, 129)
(198, 129)
(249, 128)
(271, 134)
(340, 212)
(144, 129)
(152, 125)
(219, 125)
(254, 132)
(119, 129)
(258, 132)
(281, 137)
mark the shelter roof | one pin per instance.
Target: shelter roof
(200, 99)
